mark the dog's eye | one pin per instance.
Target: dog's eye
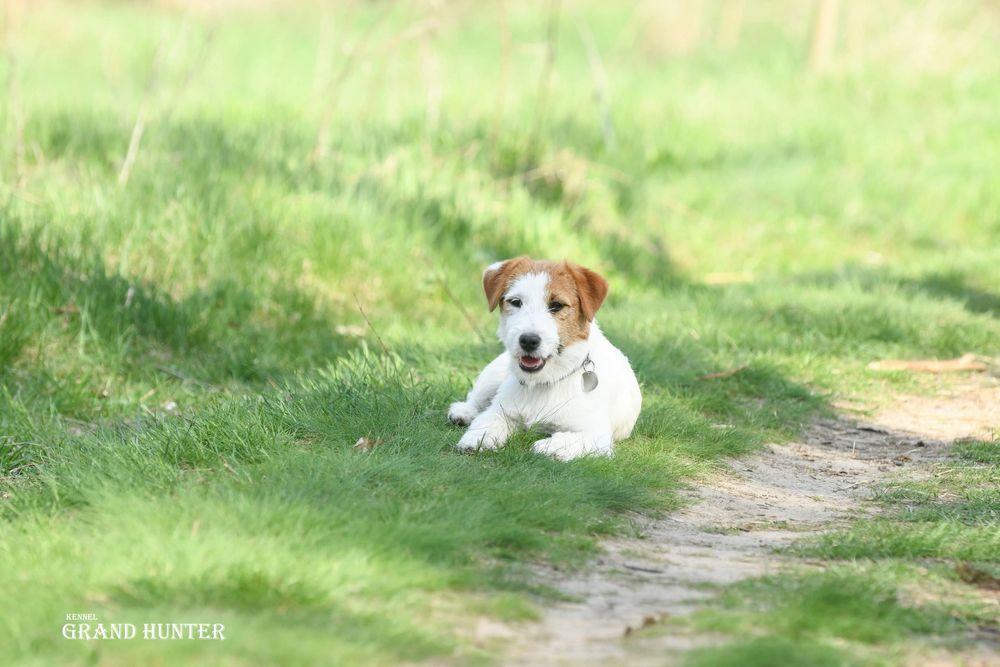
(516, 303)
(555, 307)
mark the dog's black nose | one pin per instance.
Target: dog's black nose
(530, 342)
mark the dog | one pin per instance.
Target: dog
(558, 373)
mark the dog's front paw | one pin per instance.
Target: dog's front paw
(473, 440)
(462, 413)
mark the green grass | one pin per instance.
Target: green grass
(187, 360)
(848, 614)
(916, 577)
(980, 451)
(954, 515)
(767, 653)
(844, 603)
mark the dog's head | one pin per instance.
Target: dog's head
(545, 308)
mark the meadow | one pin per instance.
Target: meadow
(232, 243)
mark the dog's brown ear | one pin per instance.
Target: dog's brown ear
(497, 276)
(591, 287)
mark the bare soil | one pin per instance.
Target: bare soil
(732, 526)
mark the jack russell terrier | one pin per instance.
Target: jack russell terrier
(559, 373)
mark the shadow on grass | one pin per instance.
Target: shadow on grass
(215, 334)
(213, 157)
(954, 286)
(950, 286)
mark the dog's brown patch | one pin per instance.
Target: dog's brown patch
(497, 280)
(579, 289)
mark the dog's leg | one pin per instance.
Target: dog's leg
(489, 430)
(569, 445)
(482, 393)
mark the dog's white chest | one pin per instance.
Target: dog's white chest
(555, 407)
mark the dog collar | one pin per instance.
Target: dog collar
(589, 377)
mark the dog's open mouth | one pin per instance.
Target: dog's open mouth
(531, 364)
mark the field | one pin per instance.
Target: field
(233, 243)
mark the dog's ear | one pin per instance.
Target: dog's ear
(591, 287)
(497, 276)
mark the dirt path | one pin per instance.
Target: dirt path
(733, 525)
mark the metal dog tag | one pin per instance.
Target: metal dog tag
(589, 376)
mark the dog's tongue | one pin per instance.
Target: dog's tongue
(531, 362)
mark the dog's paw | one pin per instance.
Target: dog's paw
(462, 413)
(475, 440)
(568, 446)
(556, 447)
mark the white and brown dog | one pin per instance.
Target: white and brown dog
(559, 373)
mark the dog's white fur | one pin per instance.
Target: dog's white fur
(505, 397)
